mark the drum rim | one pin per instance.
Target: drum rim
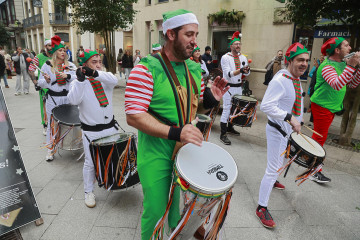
(109, 143)
(207, 120)
(59, 121)
(201, 190)
(292, 140)
(236, 96)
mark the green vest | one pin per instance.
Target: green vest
(163, 103)
(42, 59)
(324, 95)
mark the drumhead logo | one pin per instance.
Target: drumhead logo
(221, 176)
(215, 169)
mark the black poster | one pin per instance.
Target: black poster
(17, 202)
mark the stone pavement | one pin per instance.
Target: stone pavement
(308, 211)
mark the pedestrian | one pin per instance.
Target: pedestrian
(235, 67)
(56, 80)
(69, 54)
(156, 47)
(95, 110)
(276, 64)
(207, 58)
(127, 63)
(196, 57)
(283, 104)
(21, 68)
(79, 52)
(332, 79)
(38, 61)
(148, 94)
(3, 68)
(137, 57)
(119, 61)
(9, 65)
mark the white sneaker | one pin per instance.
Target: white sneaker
(90, 199)
(44, 131)
(49, 156)
(17, 93)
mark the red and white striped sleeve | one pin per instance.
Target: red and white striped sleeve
(139, 90)
(356, 80)
(35, 62)
(335, 81)
(202, 89)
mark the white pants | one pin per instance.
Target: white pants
(227, 103)
(276, 145)
(26, 84)
(89, 169)
(50, 104)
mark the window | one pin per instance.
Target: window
(64, 36)
(162, 1)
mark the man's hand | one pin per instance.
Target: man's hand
(90, 72)
(47, 77)
(246, 70)
(191, 134)
(296, 126)
(219, 88)
(354, 60)
(80, 75)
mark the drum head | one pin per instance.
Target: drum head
(246, 98)
(316, 149)
(109, 140)
(208, 169)
(203, 118)
(67, 114)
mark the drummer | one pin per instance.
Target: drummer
(56, 78)
(235, 68)
(92, 92)
(39, 61)
(148, 94)
(282, 102)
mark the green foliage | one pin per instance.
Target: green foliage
(357, 146)
(229, 17)
(4, 36)
(309, 12)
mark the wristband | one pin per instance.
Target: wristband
(209, 100)
(288, 117)
(95, 74)
(174, 133)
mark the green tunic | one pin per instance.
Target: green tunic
(324, 95)
(155, 166)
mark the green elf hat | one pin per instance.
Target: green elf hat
(329, 46)
(177, 18)
(47, 41)
(86, 55)
(156, 46)
(236, 37)
(56, 44)
(196, 48)
(294, 50)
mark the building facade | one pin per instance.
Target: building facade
(264, 30)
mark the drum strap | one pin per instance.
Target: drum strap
(99, 127)
(160, 118)
(278, 127)
(58, 94)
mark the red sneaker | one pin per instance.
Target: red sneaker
(278, 185)
(265, 218)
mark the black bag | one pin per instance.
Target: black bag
(341, 112)
(268, 76)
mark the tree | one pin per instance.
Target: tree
(4, 35)
(103, 18)
(309, 12)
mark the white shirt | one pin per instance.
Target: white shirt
(56, 87)
(279, 99)
(228, 67)
(82, 94)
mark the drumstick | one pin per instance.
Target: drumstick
(29, 60)
(303, 136)
(314, 131)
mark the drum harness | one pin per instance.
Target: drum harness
(301, 177)
(250, 114)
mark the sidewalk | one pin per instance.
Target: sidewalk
(308, 211)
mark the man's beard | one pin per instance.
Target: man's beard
(180, 50)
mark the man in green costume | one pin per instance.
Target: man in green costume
(333, 76)
(39, 61)
(151, 107)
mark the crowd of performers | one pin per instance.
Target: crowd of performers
(166, 90)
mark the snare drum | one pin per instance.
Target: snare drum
(204, 125)
(206, 176)
(307, 155)
(243, 110)
(66, 127)
(114, 158)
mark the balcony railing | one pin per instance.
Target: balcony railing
(59, 18)
(33, 21)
